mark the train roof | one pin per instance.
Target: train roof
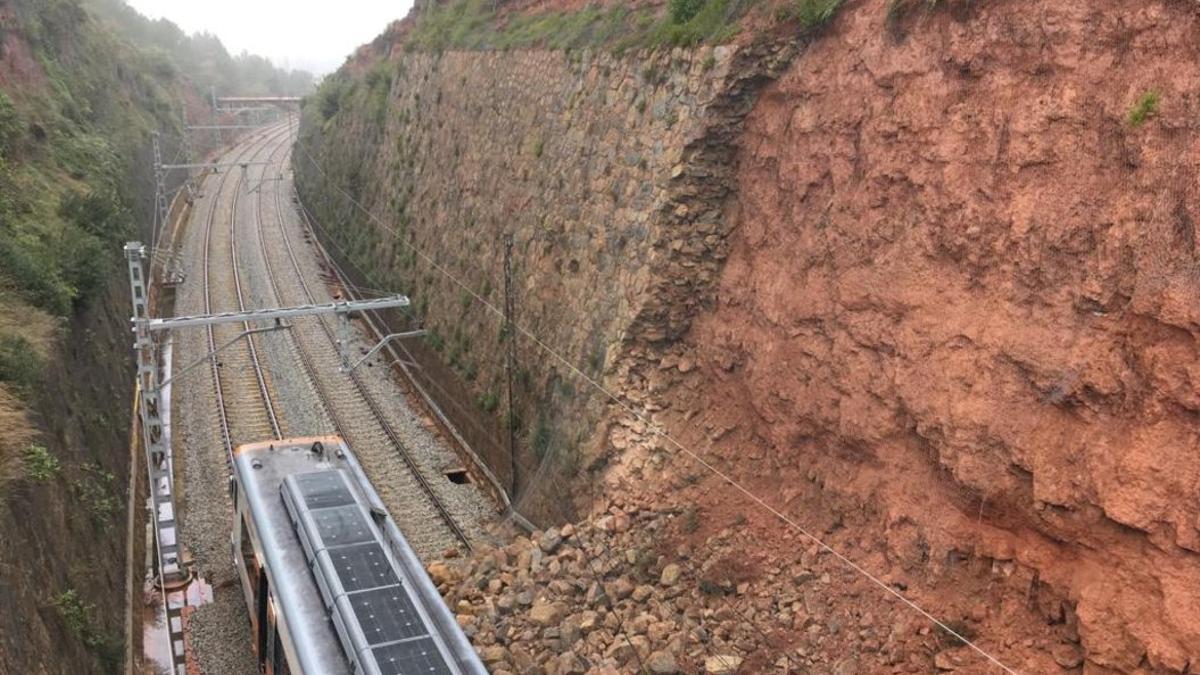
(347, 583)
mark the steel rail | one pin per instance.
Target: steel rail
(374, 322)
(218, 387)
(366, 396)
(237, 284)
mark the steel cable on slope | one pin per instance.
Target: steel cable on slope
(537, 472)
(662, 433)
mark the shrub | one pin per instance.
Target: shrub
(17, 432)
(94, 491)
(435, 340)
(489, 401)
(814, 13)
(30, 264)
(75, 613)
(80, 620)
(40, 465)
(330, 99)
(1145, 108)
(682, 11)
(20, 365)
(713, 21)
(10, 126)
(540, 438)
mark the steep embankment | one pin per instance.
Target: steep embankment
(78, 104)
(963, 291)
(930, 294)
(76, 115)
(598, 167)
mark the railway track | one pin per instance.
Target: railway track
(347, 400)
(237, 370)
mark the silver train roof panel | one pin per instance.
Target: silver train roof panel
(362, 575)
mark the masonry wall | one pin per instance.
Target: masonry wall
(609, 174)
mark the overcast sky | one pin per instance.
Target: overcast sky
(315, 35)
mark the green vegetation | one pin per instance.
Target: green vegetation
(709, 21)
(682, 11)
(434, 340)
(20, 365)
(1145, 108)
(71, 138)
(489, 401)
(94, 491)
(40, 465)
(815, 13)
(379, 88)
(80, 620)
(470, 24)
(539, 438)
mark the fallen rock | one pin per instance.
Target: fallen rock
(550, 541)
(494, 654)
(722, 663)
(670, 575)
(547, 614)
(440, 573)
(662, 663)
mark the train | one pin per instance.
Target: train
(331, 584)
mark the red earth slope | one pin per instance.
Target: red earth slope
(964, 290)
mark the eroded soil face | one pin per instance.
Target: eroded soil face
(964, 291)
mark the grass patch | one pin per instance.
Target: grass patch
(714, 21)
(471, 24)
(17, 433)
(489, 401)
(80, 619)
(1145, 108)
(20, 364)
(40, 465)
(816, 13)
(540, 437)
(682, 11)
(94, 490)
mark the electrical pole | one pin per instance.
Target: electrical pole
(510, 362)
(160, 193)
(153, 391)
(216, 118)
(187, 135)
(158, 457)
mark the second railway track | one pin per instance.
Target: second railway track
(251, 402)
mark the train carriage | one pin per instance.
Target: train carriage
(331, 584)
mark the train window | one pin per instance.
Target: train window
(280, 664)
(264, 618)
(248, 559)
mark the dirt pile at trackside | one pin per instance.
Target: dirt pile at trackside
(960, 311)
